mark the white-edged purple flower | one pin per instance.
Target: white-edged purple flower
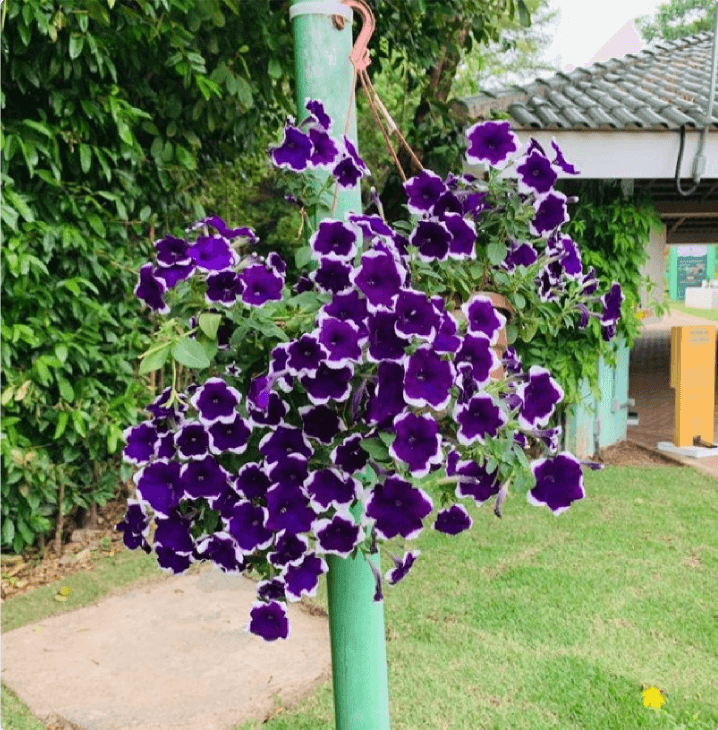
(328, 384)
(398, 508)
(294, 151)
(560, 160)
(379, 278)
(289, 549)
(423, 191)
(173, 535)
(212, 253)
(203, 478)
(150, 289)
(276, 262)
(478, 484)
(463, 236)
(388, 400)
(551, 214)
(446, 338)
(476, 351)
(158, 485)
(216, 401)
(348, 307)
(282, 441)
(370, 225)
(536, 174)
(251, 481)
(570, 258)
(338, 535)
(401, 567)
(417, 443)
(142, 443)
(384, 342)
(349, 456)
(340, 339)
(221, 227)
(332, 275)
(288, 509)
(428, 379)
(302, 579)
(433, 239)
(291, 471)
(261, 285)
(335, 239)
(305, 355)
(172, 275)
(318, 115)
(224, 288)
(229, 436)
(192, 441)
(273, 589)
(611, 302)
(352, 151)
(248, 526)
(477, 419)
(453, 520)
(325, 151)
(172, 251)
(540, 395)
(272, 414)
(519, 255)
(559, 482)
(492, 142)
(321, 423)
(446, 205)
(222, 549)
(416, 315)
(483, 318)
(329, 488)
(269, 620)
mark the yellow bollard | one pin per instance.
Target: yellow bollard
(693, 353)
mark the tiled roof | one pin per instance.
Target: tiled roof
(659, 88)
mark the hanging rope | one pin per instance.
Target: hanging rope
(360, 59)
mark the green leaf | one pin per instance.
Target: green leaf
(524, 15)
(124, 131)
(79, 423)
(303, 256)
(155, 360)
(512, 332)
(209, 324)
(496, 252)
(376, 449)
(269, 328)
(76, 43)
(8, 531)
(61, 352)
(96, 224)
(85, 157)
(274, 68)
(190, 353)
(244, 92)
(519, 301)
(66, 390)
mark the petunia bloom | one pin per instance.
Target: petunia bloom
(559, 482)
(398, 508)
(417, 443)
(491, 142)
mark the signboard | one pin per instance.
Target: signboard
(691, 272)
(693, 363)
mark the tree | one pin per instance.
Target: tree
(678, 18)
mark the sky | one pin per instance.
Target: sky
(584, 29)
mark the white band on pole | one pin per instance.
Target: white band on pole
(320, 8)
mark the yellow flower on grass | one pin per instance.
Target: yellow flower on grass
(652, 697)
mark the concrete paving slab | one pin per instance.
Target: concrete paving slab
(173, 655)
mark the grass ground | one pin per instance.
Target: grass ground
(711, 314)
(530, 621)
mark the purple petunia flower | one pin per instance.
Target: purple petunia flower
(222, 549)
(335, 239)
(318, 114)
(379, 278)
(370, 225)
(348, 307)
(349, 455)
(398, 508)
(340, 339)
(551, 214)
(192, 441)
(423, 191)
(446, 339)
(305, 355)
(332, 275)
(142, 443)
(338, 535)
(150, 289)
(325, 151)
(291, 471)
(354, 154)
(328, 488)
(223, 288)
(401, 567)
(248, 526)
(612, 301)
(294, 151)
(428, 379)
(539, 397)
(463, 236)
(172, 251)
(302, 579)
(221, 227)
(173, 534)
(321, 423)
(288, 509)
(229, 436)
(570, 258)
(288, 549)
(347, 173)
(269, 620)
(559, 482)
(158, 485)
(536, 175)
(483, 318)
(493, 142)
(448, 204)
(261, 285)
(172, 275)
(282, 441)
(216, 401)
(273, 589)
(453, 520)
(560, 160)
(384, 342)
(478, 418)
(416, 315)
(203, 478)
(212, 253)
(519, 255)
(252, 481)
(388, 400)
(433, 239)
(476, 351)
(328, 384)
(479, 484)
(417, 443)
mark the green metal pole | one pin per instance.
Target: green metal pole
(356, 622)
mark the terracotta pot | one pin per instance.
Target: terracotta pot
(501, 303)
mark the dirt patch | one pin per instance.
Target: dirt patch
(627, 453)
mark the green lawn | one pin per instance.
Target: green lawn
(711, 314)
(535, 621)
